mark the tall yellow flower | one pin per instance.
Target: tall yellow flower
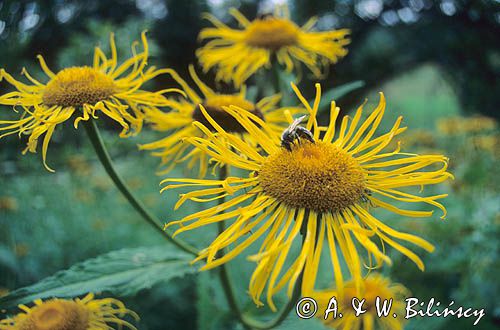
(323, 190)
(238, 54)
(78, 314)
(178, 122)
(373, 286)
(106, 87)
(460, 125)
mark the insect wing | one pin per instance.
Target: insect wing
(295, 123)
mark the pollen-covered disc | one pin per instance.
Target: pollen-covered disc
(320, 176)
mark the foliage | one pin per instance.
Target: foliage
(122, 273)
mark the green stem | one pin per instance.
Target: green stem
(286, 309)
(276, 78)
(102, 154)
(231, 298)
(246, 321)
(282, 313)
(223, 273)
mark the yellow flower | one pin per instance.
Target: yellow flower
(106, 87)
(373, 286)
(488, 143)
(178, 122)
(323, 190)
(238, 54)
(465, 125)
(79, 314)
(419, 138)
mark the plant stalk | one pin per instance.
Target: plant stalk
(105, 159)
(246, 321)
(223, 273)
(275, 68)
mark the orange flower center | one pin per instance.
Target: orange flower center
(214, 106)
(271, 33)
(320, 177)
(56, 315)
(75, 86)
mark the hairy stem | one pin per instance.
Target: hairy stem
(276, 78)
(103, 155)
(283, 313)
(246, 321)
(223, 273)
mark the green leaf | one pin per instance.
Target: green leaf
(288, 96)
(121, 273)
(342, 90)
(211, 305)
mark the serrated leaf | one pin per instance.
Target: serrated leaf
(122, 273)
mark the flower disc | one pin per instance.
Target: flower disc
(214, 106)
(316, 176)
(57, 315)
(76, 86)
(271, 33)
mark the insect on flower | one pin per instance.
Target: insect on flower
(295, 132)
(314, 190)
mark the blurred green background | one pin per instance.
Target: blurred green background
(438, 63)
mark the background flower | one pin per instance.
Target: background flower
(79, 314)
(374, 286)
(105, 88)
(177, 123)
(238, 54)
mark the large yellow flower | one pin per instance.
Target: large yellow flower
(322, 190)
(177, 123)
(373, 286)
(106, 87)
(79, 314)
(238, 54)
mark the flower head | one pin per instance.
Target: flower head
(459, 125)
(177, 123)
(487, 143)
(373, 286)
(79, 314)
(83, 92)
(238, 54)
(323, 187)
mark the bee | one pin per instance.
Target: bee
(295, 132)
